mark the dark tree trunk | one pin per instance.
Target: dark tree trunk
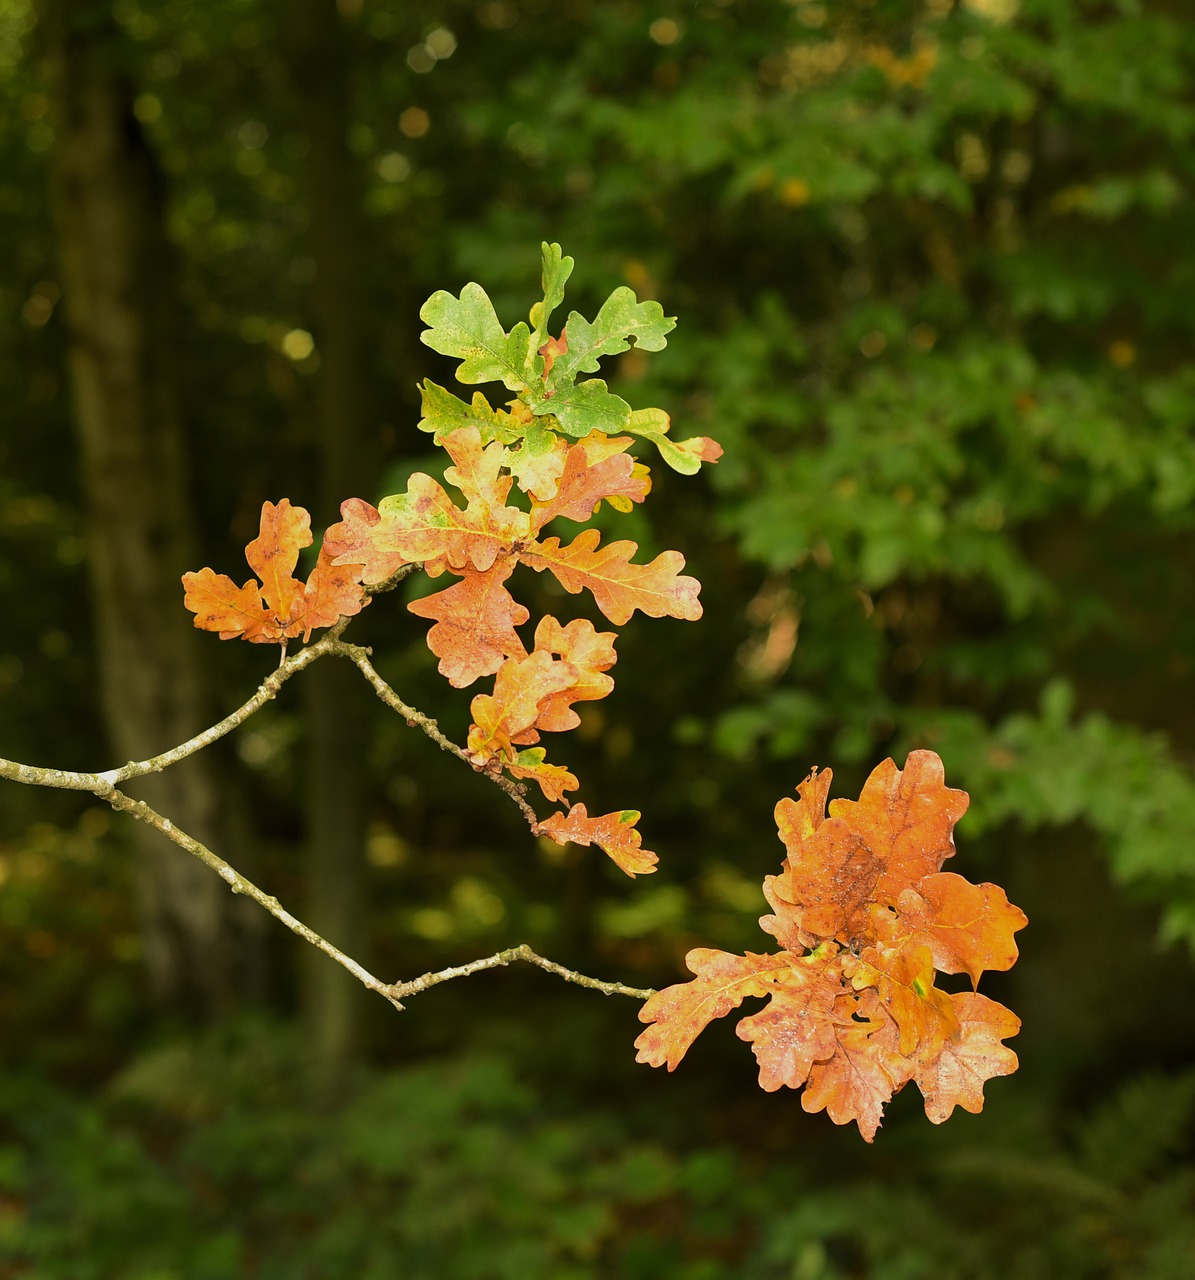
(337, 698)
(118, 284)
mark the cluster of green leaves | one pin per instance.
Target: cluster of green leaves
(543, 371)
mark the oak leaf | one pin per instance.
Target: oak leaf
(685, 456)
(957, 1076)
(278, 607)
(509, 714)
(618, 585)
(614, 833)
(475, 624)
(552, 779)
(469, 329)
(680, 1013)
(489, 536)
(866, 918)
(590, 653)
(534, 692)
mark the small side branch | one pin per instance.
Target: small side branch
(101, 783)
(502, 958)
(417, 720)
(267, 690)
(239, 884)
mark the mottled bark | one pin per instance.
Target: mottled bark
(122, 323)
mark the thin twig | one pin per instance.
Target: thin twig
(267, 690)
(72, 780)
(103, 785)
(388, 584)
(239, 884)
(524, 952)
(417, 720)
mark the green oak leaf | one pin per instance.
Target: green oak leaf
(587, 407)
(468, 328)
(620, 319)
(535, 464)
(556, 271)
(444, 413)
(685, 456)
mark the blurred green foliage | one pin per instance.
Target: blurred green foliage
(933, 264)
(207, 1159)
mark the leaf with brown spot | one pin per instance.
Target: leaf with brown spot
(906, 817)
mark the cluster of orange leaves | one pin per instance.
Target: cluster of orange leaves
(474, 634)
(280, 607)
(864, 916)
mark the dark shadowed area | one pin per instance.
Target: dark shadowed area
(933, 263)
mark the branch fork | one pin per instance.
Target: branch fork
(106, 786)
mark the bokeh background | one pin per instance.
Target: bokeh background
(934, 263)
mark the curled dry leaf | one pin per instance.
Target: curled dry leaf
(865, 917)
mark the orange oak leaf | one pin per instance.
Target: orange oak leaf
(795, 1028)
(475, 624)
(614, 833)
(535, 691)
(553, 779)
(907, 817)
(956, 1077)
(857, 1080)
(353, 542)
(680, 1013)
(866, 919)
(220, 605)
(552, 348)
(590, 653)
(619, 586)
(904, 981)
(869, 851)
(280, 607)
(505, 716)
(967, 927)
(595, 468)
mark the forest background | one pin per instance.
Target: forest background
(933, 264)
